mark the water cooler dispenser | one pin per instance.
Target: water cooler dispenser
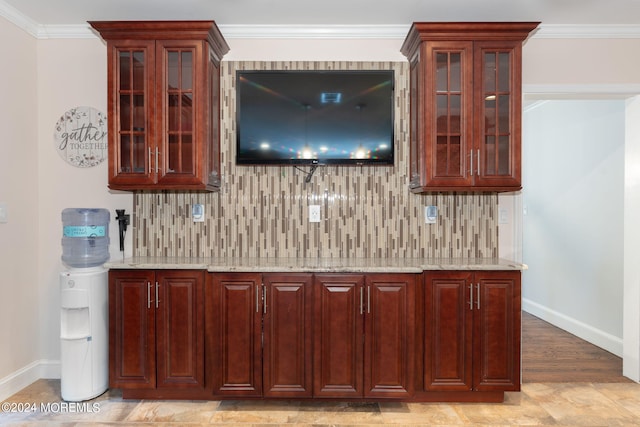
(84, 320)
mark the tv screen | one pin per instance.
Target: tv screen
(314, 117)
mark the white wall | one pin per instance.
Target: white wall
(573, 198)
(19, 310)
(631, 356)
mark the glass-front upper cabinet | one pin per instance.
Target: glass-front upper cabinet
(499, 112)
(465, 106)
(163, 116)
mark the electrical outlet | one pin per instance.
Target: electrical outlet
(314, 213)
(4, 213)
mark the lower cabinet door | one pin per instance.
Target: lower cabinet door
(237, 322)
(179, 329)
(286, 354)
(338, 336)
(497, 334)
(448, 355)
(389, 344)
(132, 345)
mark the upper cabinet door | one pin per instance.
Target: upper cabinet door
(498, 103)
(131, 102)
(163, 104)
(449, 123)
(180, 102)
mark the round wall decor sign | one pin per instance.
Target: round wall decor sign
(81, 137)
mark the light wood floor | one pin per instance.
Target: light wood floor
(550, 354)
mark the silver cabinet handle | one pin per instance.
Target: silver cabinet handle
(361, 301)
(157, 153)
(471, 296)
(264, 299)
(157, 301)
(150, 170)
(478, 298)
(478, 159)
(368, 299)
(471, 163)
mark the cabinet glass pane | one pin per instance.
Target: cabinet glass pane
(504, 71)
(442, 72)
(454, 114)
(186, 155)
(455, 75)
(138, 70)
(187, 112)
(125, 112)
(140, 154)
(490, 155)
(503, 114)
(173, 119)
(173, 69)
(125, 70)
(504, 162)
(490, 72)
(173, 153)
(187, 67)
(490, 114)
(125, 154)
(442, 122)
(139, 116)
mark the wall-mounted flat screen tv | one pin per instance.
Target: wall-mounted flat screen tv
(314, 117)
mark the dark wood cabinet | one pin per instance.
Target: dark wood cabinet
(261, 334)
(163, 104)
(451, 336)
(466, 94)
(363, 335)
(472, 331)
(156, 322)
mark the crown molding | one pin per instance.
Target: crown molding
(552, 31)
(315, 31)
(19, 19)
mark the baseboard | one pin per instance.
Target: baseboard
(588, 333)
(21, 378)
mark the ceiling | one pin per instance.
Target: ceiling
(327, 12)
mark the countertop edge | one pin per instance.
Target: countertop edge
(315, 265)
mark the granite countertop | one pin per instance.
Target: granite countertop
(320, 265)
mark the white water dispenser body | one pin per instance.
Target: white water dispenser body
(84, 333)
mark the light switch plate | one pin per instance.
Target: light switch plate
(430, 214)
(197, 212)
(4, 214)
(314, 213)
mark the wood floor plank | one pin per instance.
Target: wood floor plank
(550, 354)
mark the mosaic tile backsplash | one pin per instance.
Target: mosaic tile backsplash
(366, 211)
